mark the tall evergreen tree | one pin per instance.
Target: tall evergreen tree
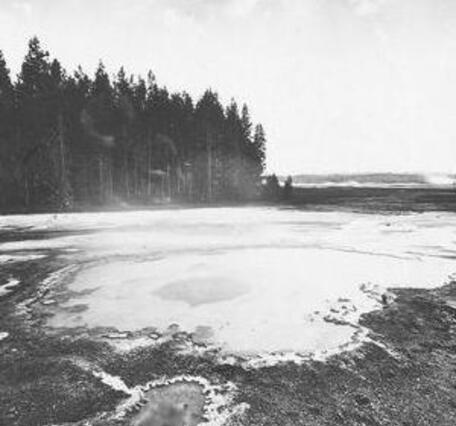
(6, 95)
(233, 151)
(209, 117)
(246, 125)
(38, 109)
(8, 148)
(100, 124)
(259, 147)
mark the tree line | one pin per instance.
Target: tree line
(69, 139)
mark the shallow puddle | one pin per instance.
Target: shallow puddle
(178, 404)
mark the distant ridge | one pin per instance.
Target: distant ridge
(374, 180)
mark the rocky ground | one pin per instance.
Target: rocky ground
(405, 374)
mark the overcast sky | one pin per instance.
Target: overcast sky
(340, 85)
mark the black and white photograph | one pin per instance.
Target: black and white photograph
(227, 213)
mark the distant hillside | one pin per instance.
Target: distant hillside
(374, 179)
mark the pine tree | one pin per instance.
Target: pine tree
(233, 152)
(100, 123)
(288, 188)
(246, 125)
(209, 118)
(8, 149)
(38, 110)
(6, 102)
(271, 188)
(259, 147)
(76, 94)
(250, 161)
(6, 96)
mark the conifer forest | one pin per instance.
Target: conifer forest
(69, 140)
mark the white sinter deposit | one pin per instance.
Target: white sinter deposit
(253, 279)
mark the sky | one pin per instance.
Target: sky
(339, 85)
